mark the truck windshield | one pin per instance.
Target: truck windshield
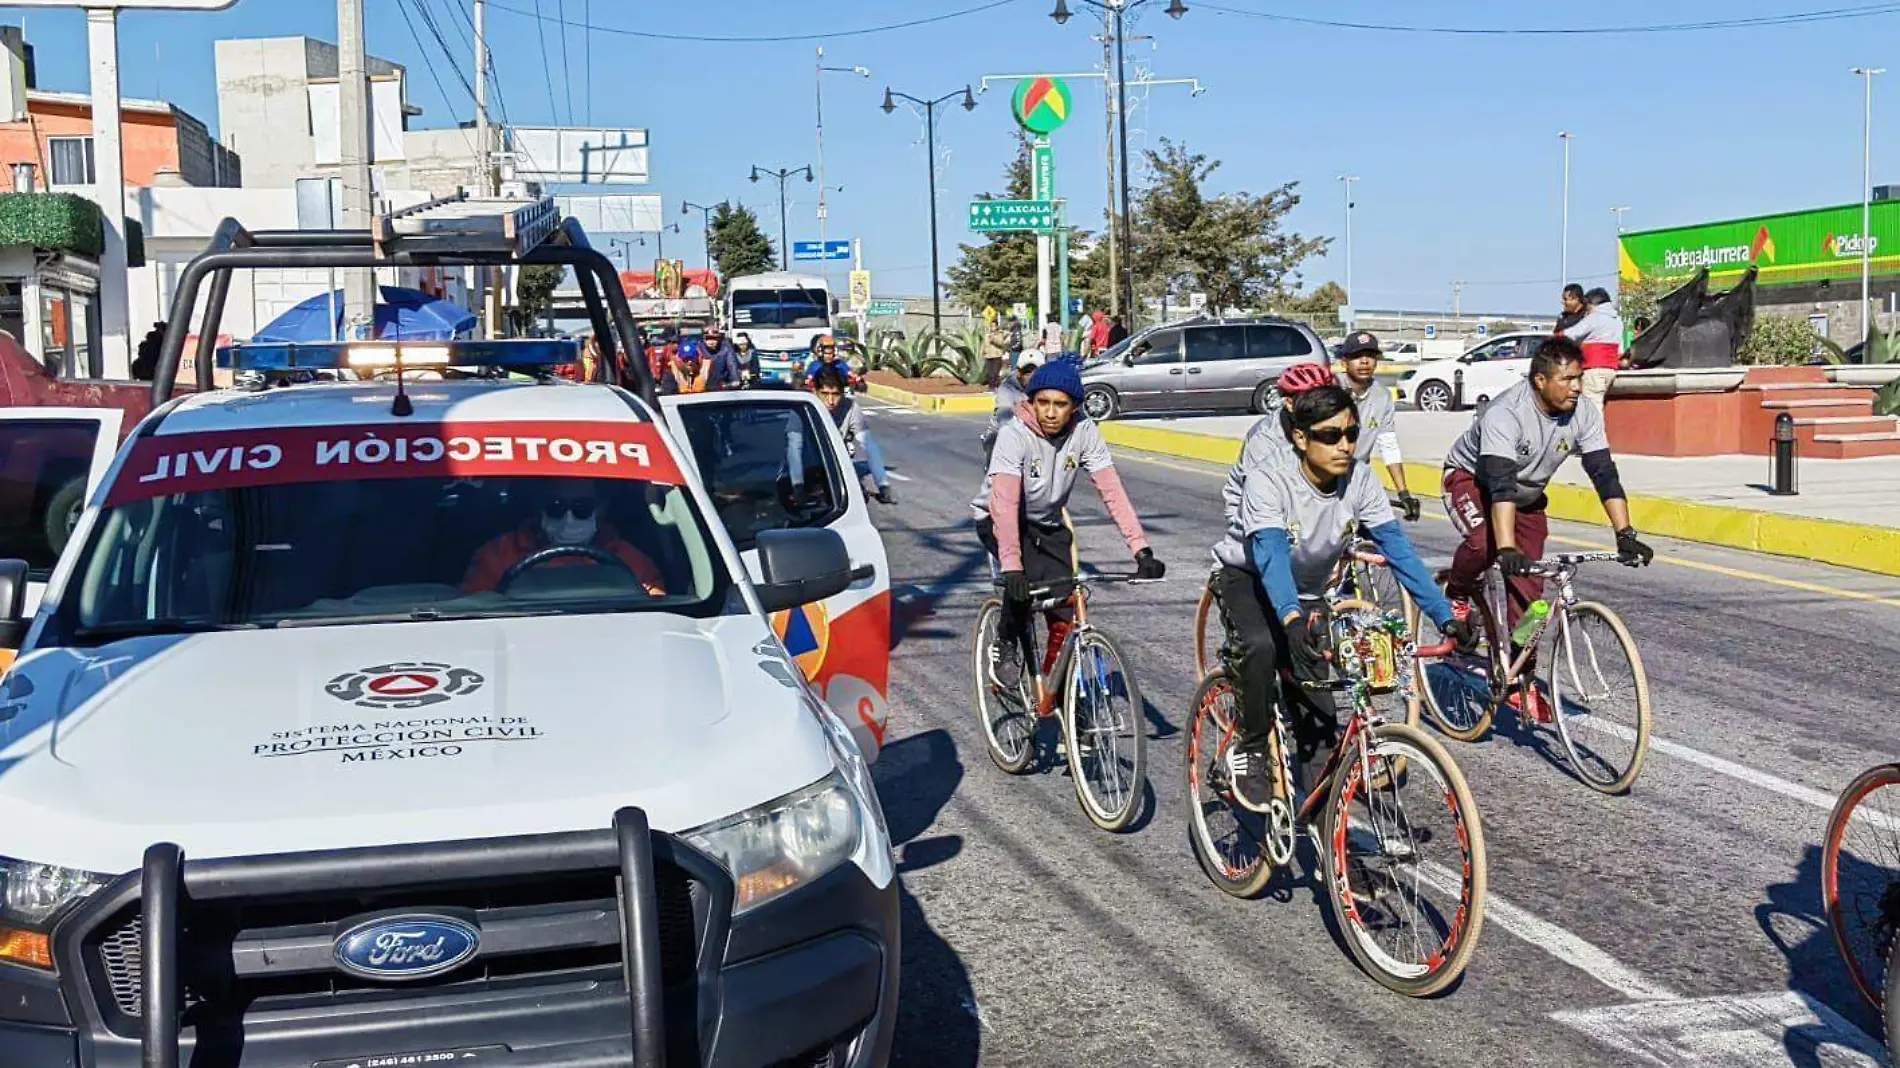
(393, 550)
(780, 307)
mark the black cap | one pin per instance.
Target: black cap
(1358, 342)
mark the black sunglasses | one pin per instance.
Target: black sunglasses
(579, 508)
(1333, 435)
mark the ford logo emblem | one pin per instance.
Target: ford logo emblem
(400, 948)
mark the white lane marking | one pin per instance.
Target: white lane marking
(1570, 948)
(1735, 1031)
(896, 477)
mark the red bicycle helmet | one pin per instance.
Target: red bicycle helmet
(1301, 377)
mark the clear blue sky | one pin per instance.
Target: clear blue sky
(1454, 137)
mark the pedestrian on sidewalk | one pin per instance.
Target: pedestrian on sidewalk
(1015, 343)
(1600, 334)
(995, 352)
(1574, 308)
(1052, 337)
(1117, 333)
(1098, 333)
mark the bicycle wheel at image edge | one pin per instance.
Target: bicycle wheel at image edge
(1105, 734)
(1206, 625)
(1860, 876)
(1456, 691)
(1006, 717)
(1599, 694)
(1230, 842)
(1890, 1011)
(1410, 919)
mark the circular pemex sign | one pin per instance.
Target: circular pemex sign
(1041, 104)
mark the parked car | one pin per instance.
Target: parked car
(1209, 365)
(1469, 380)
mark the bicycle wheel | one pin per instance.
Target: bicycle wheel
(1860, 876)
(1456, 691)
(1105, 731)
(1405, 862)
(1005, 712)
(1206, 616)
(1890, 1014)
(1596, 684)
(1237, 847)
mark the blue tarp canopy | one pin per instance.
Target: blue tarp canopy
(401, 315)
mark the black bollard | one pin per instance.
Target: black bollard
(1784, 444)
(1457, 389)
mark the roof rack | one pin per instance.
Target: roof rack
(460, 223)
(456, 231)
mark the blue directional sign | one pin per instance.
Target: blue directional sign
(821, 250)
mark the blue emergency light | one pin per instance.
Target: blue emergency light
(377, 356)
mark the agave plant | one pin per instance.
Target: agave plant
(908, 357)
(961, 360)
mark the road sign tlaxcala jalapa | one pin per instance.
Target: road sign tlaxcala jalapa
(998, 216)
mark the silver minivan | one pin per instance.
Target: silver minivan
(1198, 366)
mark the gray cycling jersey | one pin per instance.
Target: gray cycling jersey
(1321, 526)
(1515, 426)
(1048, 468)
(1264, 445)
(853, 427)
(1378, 416)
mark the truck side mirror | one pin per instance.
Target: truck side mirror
(12, 603)
(800, 567)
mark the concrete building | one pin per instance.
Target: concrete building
(53, 131)
(277, 105)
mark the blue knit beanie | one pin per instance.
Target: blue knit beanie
(1057, 375)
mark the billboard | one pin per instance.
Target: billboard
(571, 155)
(623, 213)
(1791, 248)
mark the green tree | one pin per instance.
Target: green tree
(1231, 247)
(739, 247)
(1002, 269)
(534, 291)
(1779, 340)
(1320, 308)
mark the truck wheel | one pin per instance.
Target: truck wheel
(1266, 399)
(63, 512)
(1100, 404)
(1434, 397)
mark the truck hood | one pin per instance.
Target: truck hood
(275, 741)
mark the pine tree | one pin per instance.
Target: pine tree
(739, 247)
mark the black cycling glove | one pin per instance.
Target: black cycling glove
(1632, 549)
(1016, 589)
(1514, 563)
(1409, 506)
(1461, 632)
(1306, 651)
(1147, 568)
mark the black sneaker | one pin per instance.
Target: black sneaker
(1251, 774)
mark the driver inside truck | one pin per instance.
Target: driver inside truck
(569, 515)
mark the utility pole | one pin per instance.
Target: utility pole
(115, 315)
(1565, 254)
(783, 173)
(359, 284)
(1867, 204)
(1457, 300)
(1352, 310)
(1108, 142)
(487, 175)
(930, 152)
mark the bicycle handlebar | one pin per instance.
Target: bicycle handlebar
(1550, 566)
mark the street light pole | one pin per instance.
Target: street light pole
(782, 174)
(930, 151)
(1117, 11)
(1867, 204)
(824, 212)
(1565, 255)
(705, 223)
(1352, 311)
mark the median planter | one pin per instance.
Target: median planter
(932, 385)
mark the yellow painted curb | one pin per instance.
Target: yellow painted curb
(951, 404)
(1827, 541)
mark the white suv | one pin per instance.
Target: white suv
(364, 725)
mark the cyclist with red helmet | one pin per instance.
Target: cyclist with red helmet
(1290, 519)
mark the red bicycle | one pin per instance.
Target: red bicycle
(1860, 885)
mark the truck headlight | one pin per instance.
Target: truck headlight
(781, 845)
(31, 897)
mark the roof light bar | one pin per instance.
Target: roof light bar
(385, 355)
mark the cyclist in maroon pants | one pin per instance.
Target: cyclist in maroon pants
(1496, 473)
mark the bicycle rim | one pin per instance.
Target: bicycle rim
(1860, 876)
(1006, 715)
(1205, 654)
(1890, 1014)
(1600, 696)
(1230, 841)
(1105, 733)
(1405, 863)
(1456, 691)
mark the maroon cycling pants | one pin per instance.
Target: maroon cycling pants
(1470, 510)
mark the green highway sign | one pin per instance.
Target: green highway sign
(1001, 216)
(885, 308)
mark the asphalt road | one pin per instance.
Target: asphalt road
(1679, 925)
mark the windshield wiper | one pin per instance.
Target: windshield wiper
(415, 615)
(154, 628)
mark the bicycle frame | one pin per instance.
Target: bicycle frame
(1561, 600)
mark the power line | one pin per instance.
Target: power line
(1789, 19)
(434, 76)
(767, 39)
(547, 66)
(587, 59)
(427, 15)
(567, 68)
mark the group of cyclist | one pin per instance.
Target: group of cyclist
(1300, 497)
